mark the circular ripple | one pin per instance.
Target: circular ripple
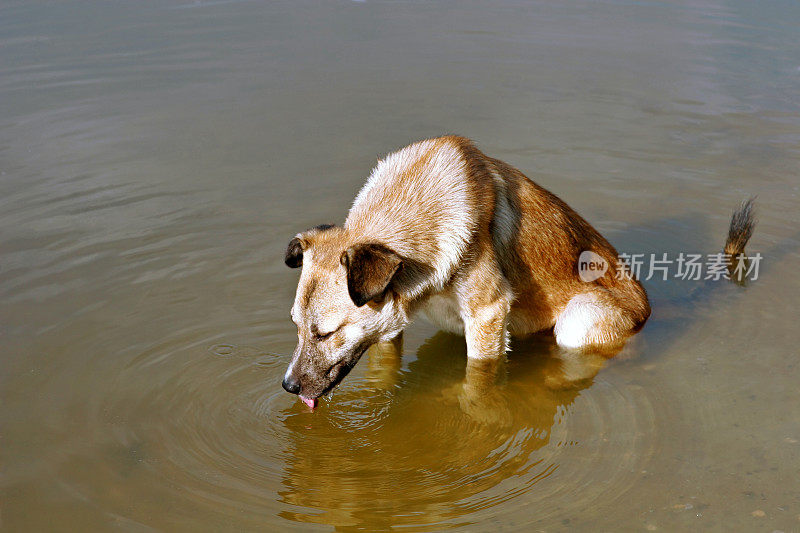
(216, 435)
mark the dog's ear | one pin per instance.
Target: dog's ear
(370, 269)
(294, 252)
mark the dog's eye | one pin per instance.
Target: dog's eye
(322, 336)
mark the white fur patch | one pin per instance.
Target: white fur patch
(576, 322)
(290, 369)
(443, 313)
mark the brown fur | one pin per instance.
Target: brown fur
(443, 228)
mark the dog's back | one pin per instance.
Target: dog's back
(442, 202)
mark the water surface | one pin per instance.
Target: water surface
(156, 157)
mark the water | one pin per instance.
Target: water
(157, 157)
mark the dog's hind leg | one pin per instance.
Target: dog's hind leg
(595, 319)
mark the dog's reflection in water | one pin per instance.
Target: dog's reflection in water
(425, 443)
(539, 375)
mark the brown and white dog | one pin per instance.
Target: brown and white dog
(468, 240)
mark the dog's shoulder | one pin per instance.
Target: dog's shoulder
(421, 202)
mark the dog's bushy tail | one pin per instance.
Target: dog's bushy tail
(743, 222)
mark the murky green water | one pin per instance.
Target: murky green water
(155, 158)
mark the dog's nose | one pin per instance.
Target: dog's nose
(291, 384)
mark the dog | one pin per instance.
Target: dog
(442, 229)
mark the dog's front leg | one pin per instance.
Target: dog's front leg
(486, 332)
(485, 307)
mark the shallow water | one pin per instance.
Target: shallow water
(156, 158)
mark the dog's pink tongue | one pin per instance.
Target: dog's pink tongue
(310, 402)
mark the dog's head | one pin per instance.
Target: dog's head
(345, 302)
